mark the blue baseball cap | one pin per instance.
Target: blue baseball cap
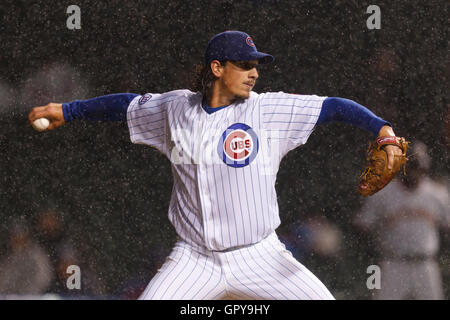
(234, 46)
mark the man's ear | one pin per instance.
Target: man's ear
(216, 68)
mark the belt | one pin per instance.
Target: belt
(243, 246)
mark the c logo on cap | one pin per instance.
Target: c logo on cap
(250, 42)
(238, 145)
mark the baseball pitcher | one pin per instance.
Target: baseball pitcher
(225, 143)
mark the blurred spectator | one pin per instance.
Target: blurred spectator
(316, 236)
(405, 218)
(318, 244)
(53, 234)
(90, 284)
(51, 225)
(50, 230)
(26, 270)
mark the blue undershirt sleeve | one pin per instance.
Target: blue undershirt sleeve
(350, 112)
(111, 107)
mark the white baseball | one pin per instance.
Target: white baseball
(41, 124)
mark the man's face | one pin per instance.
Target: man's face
(238, 78)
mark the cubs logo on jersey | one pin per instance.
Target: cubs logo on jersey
(238, 145)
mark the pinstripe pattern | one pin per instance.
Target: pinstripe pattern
(265, 270)
(216, 206)
(213, 204)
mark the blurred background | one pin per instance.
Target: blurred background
(84, 195)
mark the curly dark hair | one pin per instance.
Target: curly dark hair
(204, 79)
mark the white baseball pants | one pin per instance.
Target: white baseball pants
(265, 270)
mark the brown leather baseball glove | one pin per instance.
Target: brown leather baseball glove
(377, 175)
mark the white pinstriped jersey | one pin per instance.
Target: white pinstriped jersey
(224, 164)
